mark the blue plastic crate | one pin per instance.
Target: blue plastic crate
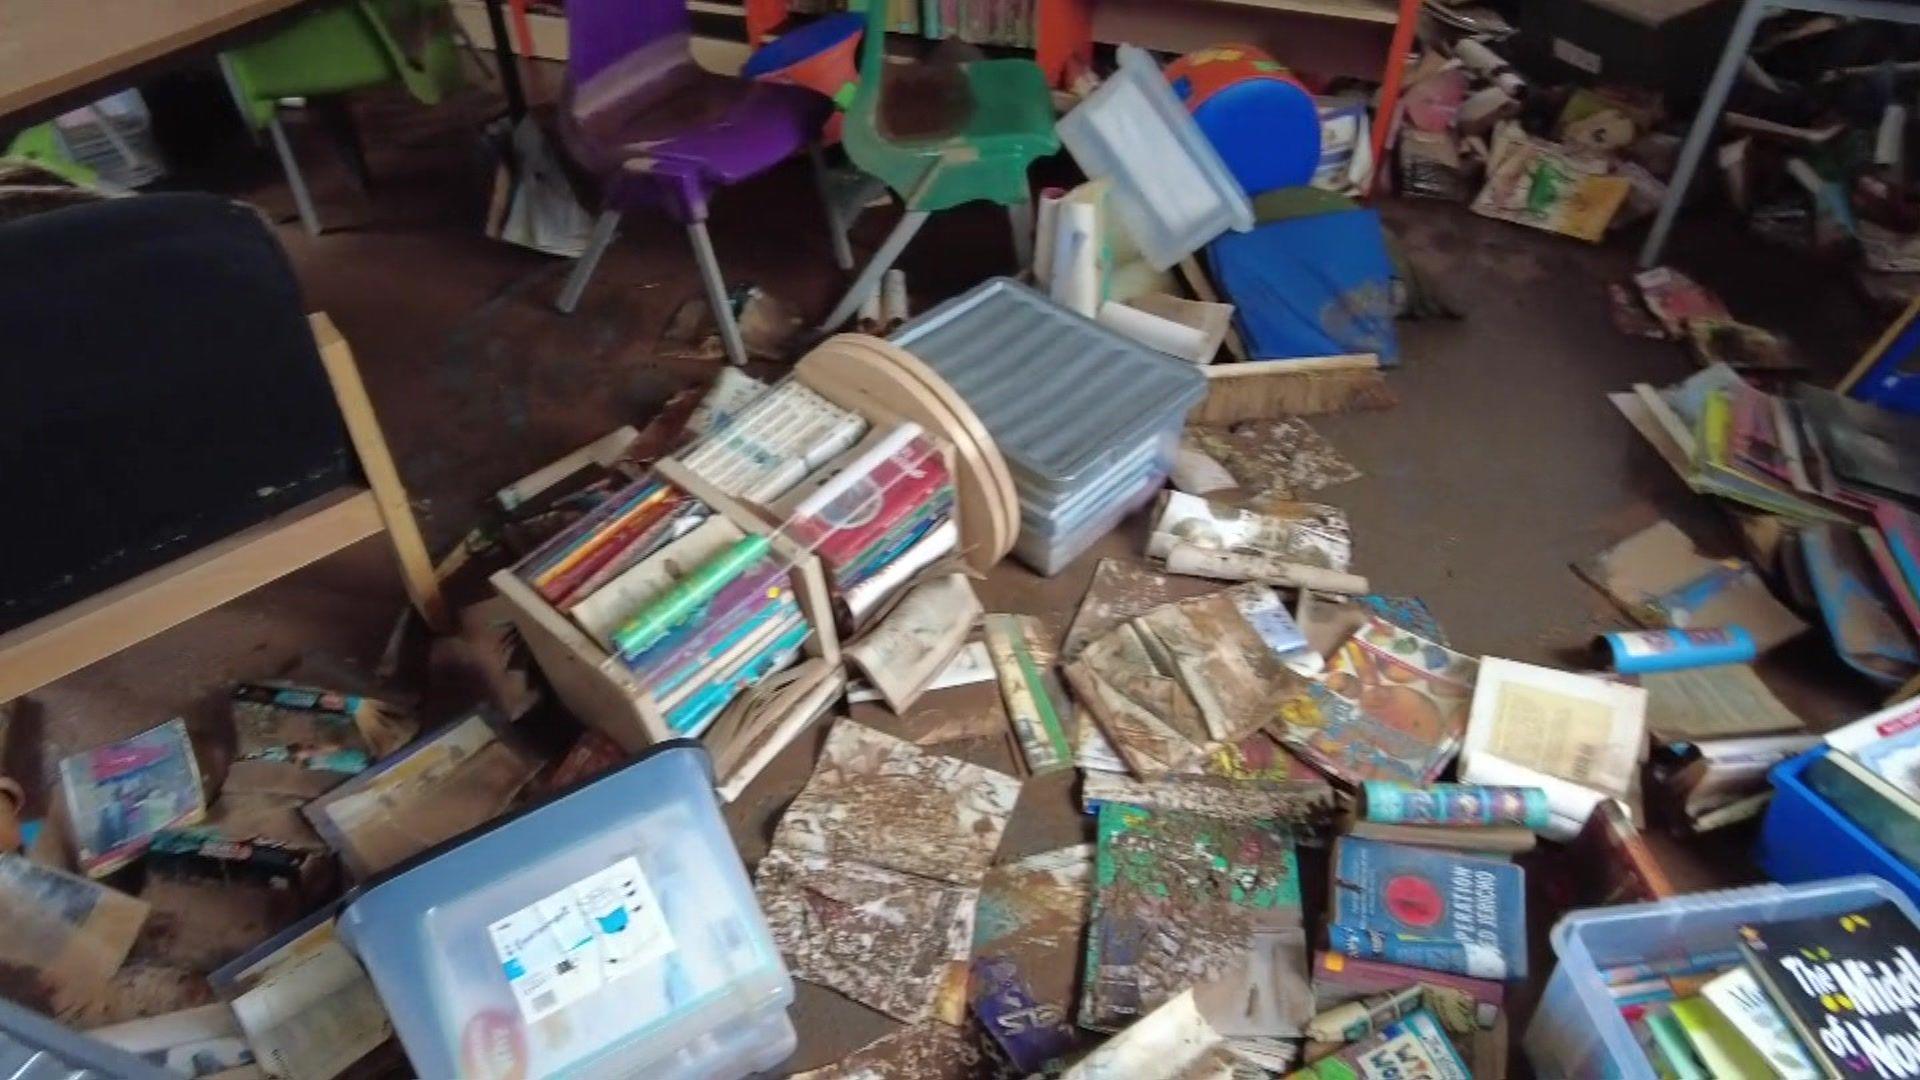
(1804, 838)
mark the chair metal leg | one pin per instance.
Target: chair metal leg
(296, 181)
(1020, 214)
(717, 293)
(869, 279)
(1704, 121)
(838, 223)
(605, 228)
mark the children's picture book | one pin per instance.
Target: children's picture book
(1392, 705)
(1428, 908)
(1190, 901)
(1738, 996)
(1849, 984)
(1413, 1046)
(119, 795)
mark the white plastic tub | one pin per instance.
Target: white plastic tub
(1170, 188)
(609, 932)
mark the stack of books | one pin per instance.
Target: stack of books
(1009, 23)
(1829, 483)
(680, 596)
(1449, 925)
(875, 516)
(1820, 996)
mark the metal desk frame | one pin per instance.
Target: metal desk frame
(1695, 148)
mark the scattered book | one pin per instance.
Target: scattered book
(1412, 1046)
(1659, 578)
(1713, 703)
(1428, 909)
(1391, 705)
(1612, 863)
(118, 796)
(1580, 738)
(1185, 900)
(1849, 984)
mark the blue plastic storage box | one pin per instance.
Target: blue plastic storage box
(1577, 1031)
(1805, 838)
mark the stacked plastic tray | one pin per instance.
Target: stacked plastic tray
(1087, 419)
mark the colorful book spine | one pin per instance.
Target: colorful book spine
(1455, 804)
(1431, 954)
(657, 619)
(550, 556)
(620, 546)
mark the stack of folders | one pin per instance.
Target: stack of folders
(875, 516)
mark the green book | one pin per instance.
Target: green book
(1722, 1049)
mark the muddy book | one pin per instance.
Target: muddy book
(1189, 901)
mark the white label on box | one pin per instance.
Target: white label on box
(558, 950)
(1568, 53)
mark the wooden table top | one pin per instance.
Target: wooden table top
(51, 48)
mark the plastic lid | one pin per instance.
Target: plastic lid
(1170, 187)
(1061, 395)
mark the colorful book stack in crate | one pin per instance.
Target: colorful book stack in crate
(874, 516)
(697, 610)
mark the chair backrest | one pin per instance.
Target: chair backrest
(601, 33)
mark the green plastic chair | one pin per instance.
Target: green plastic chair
(337, 50)
(995, 123)
(42, 145)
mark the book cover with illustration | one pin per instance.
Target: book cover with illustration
(1428, 908)
(1391, 706)
(1849, 984)
(1184, 900)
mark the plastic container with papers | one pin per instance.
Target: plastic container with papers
(1170, 187)
(1577, 1029)
(610, 931)
(1080, 413)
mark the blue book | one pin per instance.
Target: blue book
(1429, 908)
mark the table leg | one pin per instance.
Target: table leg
(1704, 122)
(1403, 30)
(508, 62)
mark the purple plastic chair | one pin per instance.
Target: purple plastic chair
(661, 133)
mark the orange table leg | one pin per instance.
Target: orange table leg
(1390, 87)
